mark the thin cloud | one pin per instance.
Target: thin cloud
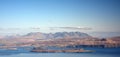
(10, 28)
(1, 29)
(72, 28)
(35, 28)
(13, 28)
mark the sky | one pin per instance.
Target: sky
(20, 16)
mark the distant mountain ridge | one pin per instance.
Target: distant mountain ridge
(60, 39)
(58, 35)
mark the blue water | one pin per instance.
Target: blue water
(100, 52)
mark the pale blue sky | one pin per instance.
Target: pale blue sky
(100, 15)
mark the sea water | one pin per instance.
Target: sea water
(99, 52)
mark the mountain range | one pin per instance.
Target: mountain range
(56, 35)
(57, 39)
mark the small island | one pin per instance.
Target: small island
(64, 51)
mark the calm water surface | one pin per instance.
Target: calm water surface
(100, 52)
